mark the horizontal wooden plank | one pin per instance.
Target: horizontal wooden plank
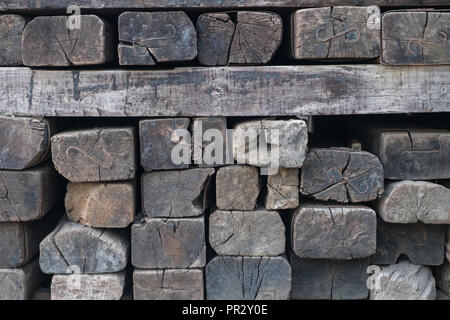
(226, 91)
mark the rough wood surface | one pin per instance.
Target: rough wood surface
(325, 279)
(107, 286)
(247, 233)
(342, 232)
(151, 37)
(412, 201)
(11, 29)
(25, 142)
(28, 195)
(101, 205)
(157, 138)
(209, 139)
(443, 278)
(421, 243)
(168, 243)
(231, 91)
(94, 155)
(336, 33)
(175, 194)
(404, 281)
(341, 175)
(237, 187)
(411, 38)
(248, 278)
(447, 245)
(282, 190)
(171, 284)
(74, 248)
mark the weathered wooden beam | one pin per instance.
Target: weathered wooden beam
(443, 278)
(447, 245)
(232, 91)
(170, 284)
(209, 138)
(11, 29)
(282, 190)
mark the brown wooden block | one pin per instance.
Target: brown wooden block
(209, 141)
(48, 42)
(237, 187)
(74, 248)
(168, 243)
(25, 142)
(11, 29)
(94, 155)
(282, 190)
(175, 194)
(101, 205)
(341, 175)
(151, 37)
(343, 232)
(171, 284)
(421, 243)
(443, 278)
(158, 140)
(412, 38)
(248, 278)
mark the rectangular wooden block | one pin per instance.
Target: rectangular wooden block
(209, 141)
(282, 190)
(95, 155)
(169, 284)
(11, 29)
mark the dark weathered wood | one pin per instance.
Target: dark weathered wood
(74, 248)
(411, 38)
(175, 194)
(412, 201)
(168, 243)
(25, 142)
(343, 232)
(336, 33)
(94, 155)
(172, 284)
(282, 190)
(247, 233)
(248, 278)
(421, 243)
(237, 187)
(447, 245)
(443, 278)
(20, 283)
(209, 141)
(329, 279)
(28, 195)
(158, 140)
(101, 205)
(152, 37)
(11, 29)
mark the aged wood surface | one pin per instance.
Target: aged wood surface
(11, 29)
(248, 278)
(25, 142)
(447, 245)
(336, 33)
(101, 205)
(171, 284)
(282, 190)
(209, 134)
(94, 155)
(227, 91)
(443, 278)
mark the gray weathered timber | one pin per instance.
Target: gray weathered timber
(74, 248)
(151, 37)
(230, 91)
(336, 33)
(11, 29)
(341, 175)
(248, 278)
(20, 283)
(412, 201)
(175, 194)
(28, 195)
(237, 187)
(25, 142)
(447, 245)
(282, 190)
(47, 42)
(411, 38)
(101, 205)
(168, 243)
(158, 137)
(421, 243)
(171, 284)
(247, 233)
(209, 142)
(94, 155)
(404, 281)
(108, 286)
(441, 296)
(325, 279)
(443, 278)
(343, 232)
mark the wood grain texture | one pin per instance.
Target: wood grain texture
(227, 91)
(443, 278)
(282, 190)
(447, 244)
(11, 29)
(209, 136)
